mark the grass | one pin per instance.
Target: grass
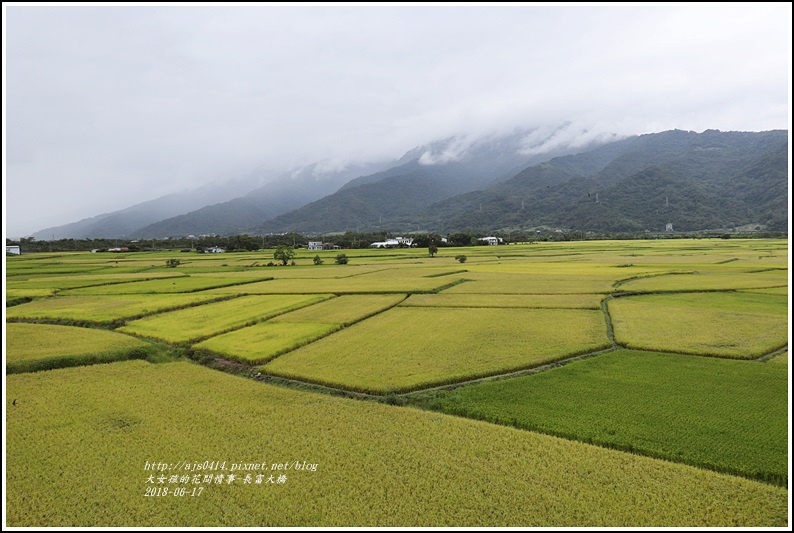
(718, 414)
(33, 347)
(736, 325)
(407, 348)
(203, 321)
(104, 309)
(377, 465)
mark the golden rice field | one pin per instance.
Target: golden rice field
(413, 347)
(363, 284)
(376, 465)
(168, 285)
(712, 278)
(31, 347)
(105, 308)
(737, 325)
(261, 342)
(529, 301)
(546, 420)
(534, 283)
(203, 321)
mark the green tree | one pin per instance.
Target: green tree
(284, 254)
(317, 260)
(173, 263)
(432, 250)
(461, 258)
(341, 259)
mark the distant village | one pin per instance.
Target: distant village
(215, 244)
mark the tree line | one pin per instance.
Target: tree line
(354, 240)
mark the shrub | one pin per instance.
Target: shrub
(341, 259)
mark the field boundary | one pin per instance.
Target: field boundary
(620, 282)
(441, 274)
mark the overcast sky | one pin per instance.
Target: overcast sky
(106, 107)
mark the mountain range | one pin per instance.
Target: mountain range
(517, 181)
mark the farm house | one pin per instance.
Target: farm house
(393, 243)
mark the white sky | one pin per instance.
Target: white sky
(105, 107)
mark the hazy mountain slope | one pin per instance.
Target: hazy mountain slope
(393, 198)
(694, 181)
(125, 221)
(227, 207)
(235, 216)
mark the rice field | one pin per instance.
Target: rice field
(376, 465)
(261, 342)
(203, 321)
(105, 309)
(32, 347)
(407, 348)
(532, 336)
(718, 414)
(83, 280)
(518, 283)
(159, 286)
(737, 325)
(363, 284)
(775, 290)
(710, 279)
(343, 310)
(528, 301)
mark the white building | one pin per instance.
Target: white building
(393, 243)
(13, 250)
(214, 250)
(492, 241)
(315, 245)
